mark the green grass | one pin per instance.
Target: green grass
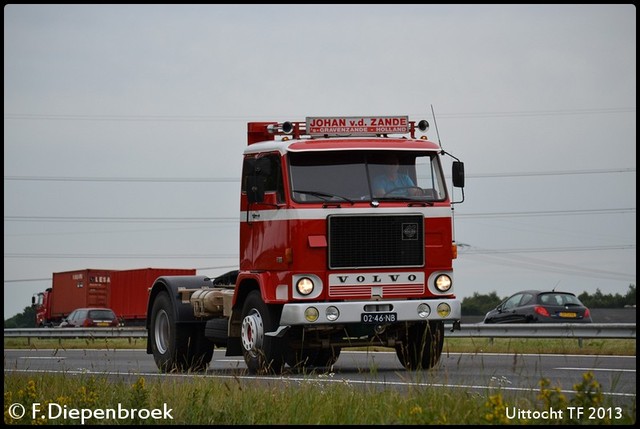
(214, 401)
(623, 347)
(589, 346)
(75, 343)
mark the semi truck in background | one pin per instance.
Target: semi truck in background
(328, 258)
(124, 291)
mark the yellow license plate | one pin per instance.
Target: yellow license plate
(568, 314)
(102, 323)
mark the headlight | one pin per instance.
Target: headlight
(311, 314)
(443, 283)
(424, 310)
(444, 309)
(304, 286)
(332, 313)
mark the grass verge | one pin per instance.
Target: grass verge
(88, 399)
(621, 347)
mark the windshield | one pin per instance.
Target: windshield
(102, 314)
(552, 298)
(349, 176)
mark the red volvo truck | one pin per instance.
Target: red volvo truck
(124, 291)
(346, 239)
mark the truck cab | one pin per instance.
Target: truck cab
(346, 239)
(41, 302)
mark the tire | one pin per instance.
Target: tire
(217, 331)
(262, 354)
(322, 357)
(174, 347)
(421, 347)
(301, 359)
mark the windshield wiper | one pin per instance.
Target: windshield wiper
(325, 196)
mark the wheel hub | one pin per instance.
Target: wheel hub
(162, 331)
(252, 333)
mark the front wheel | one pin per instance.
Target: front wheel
(309, 357)
(421, 346)
(261, 353)
(174, 347)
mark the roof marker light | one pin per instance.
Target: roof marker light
(272, 128)
(423, 125)
(287, 127)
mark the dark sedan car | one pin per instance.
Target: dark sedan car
(90, 318)
(534, 306)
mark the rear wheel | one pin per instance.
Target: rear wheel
(421, 346)
(174, 347)
(262, 353)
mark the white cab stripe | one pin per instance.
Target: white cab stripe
(320, 213)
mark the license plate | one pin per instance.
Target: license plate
(568, 314)
(379, 317)
(102, 323)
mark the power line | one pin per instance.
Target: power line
(214, 219)
(472, 250)
(546, 213)
(28, 280)
(513, 258)
(51, 278)
(553, 173)
(236, 180)
(119, 219)
(467, 251)
(595, 111)
(227, 118)
(124, 179)
(125, 118)
(115, 256)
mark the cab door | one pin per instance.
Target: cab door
(263, 227)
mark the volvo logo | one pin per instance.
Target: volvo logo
(409, 231)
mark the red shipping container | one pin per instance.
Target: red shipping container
(79, 288)
(129, 290)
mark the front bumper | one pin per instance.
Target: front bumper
(351, 312)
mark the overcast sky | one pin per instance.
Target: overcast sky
(124, 127)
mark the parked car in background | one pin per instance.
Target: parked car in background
(535, 306)
(91, 318)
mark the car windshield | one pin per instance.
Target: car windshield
(349, 176)
(554, 298)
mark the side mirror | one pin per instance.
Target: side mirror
(457, 174)
(258, 166)
(258, 171)
(263, 167)
(255, 188)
